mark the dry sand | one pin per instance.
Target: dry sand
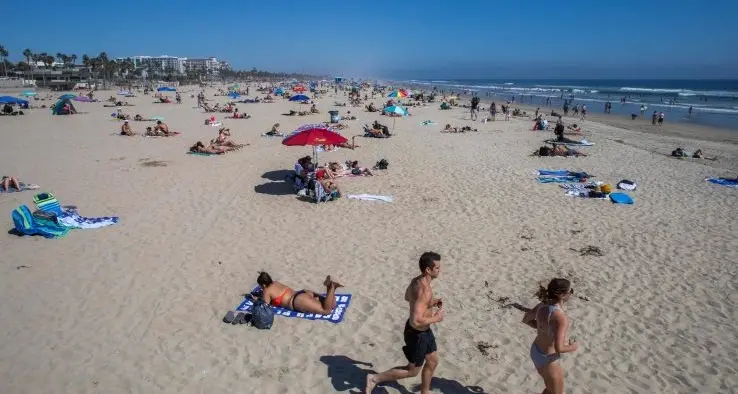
(137, 307)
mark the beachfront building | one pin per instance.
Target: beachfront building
(157, 64)
(208, 66)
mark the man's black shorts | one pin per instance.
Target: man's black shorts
(418, 344)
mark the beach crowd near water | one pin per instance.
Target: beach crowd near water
(307, 236)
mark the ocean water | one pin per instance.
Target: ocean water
(713, 102)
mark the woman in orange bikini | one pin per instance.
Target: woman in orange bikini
(306, 301)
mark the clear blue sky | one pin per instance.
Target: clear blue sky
(403, 39)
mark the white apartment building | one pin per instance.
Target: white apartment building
(209, 65)
(159, 63)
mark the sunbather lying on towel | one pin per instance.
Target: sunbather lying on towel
(223, 140)
(165, 100)
(10, 182)
(679, 152)
(330, 187)
(139, 118)
(126, 129)
(558, 150)
(356, 169)
(351, 146)
(305, 301)
(237, 115)
(199, 147)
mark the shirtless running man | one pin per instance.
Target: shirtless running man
(420, 343)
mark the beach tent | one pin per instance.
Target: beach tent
(60, 104)
(28, 93)
(166, 89)
(13, 100)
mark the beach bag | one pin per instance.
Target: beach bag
(381, 165)
(262, 315)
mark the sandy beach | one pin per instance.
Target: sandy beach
(136, 307)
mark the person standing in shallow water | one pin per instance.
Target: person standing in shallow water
(420, 343)
(552, 326)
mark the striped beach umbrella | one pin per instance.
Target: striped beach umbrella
(398, 93)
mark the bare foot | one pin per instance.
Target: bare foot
(336, 285)
(370, 383)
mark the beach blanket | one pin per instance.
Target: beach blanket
(171, 134)
(71, 219)
(203, 154)
(26, 224)
(584, 194)
(723, 182)
(342, 304)
(428, 123)
(68, 216)
(564, 173)
(558, 179)
(280, 135)
(580, 186)
(370, 197)
(216, 124)
(571, 143)
(24, 187)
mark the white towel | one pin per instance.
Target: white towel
(370, 197)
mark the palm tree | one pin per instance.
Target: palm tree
(28, 54)
(60, 57)
(73, 59)
(4, 54)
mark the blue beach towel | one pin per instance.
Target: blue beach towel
(621, 198)
(342, 304)
(202, 154)
(724, 182)
(25, 223)
(552, 173)
(557, 179)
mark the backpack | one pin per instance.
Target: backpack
(381, 165)
(262, 315)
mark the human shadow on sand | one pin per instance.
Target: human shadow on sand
(448, 386)
(274, 188)
(348, 374)
(277, 175)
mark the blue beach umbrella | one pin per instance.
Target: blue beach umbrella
(299, 97)
(166, 89)
(278, 91)
(395, 110)
(12, 100)
(234, 95)
(67, 96)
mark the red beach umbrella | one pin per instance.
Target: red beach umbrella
(314, 135)
(299, 89)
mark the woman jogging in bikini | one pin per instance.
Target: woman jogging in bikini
(551, 324)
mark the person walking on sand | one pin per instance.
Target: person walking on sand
(493, 111)
(474, 107)
(420, 343)
(661, 118)
(654, 117)
(551, 325)
(584, 111)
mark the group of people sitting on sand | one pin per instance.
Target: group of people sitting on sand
(377, 130)
(8, 110)
(464, 129)
(306, 174)
(161, 129)
(217, 146)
